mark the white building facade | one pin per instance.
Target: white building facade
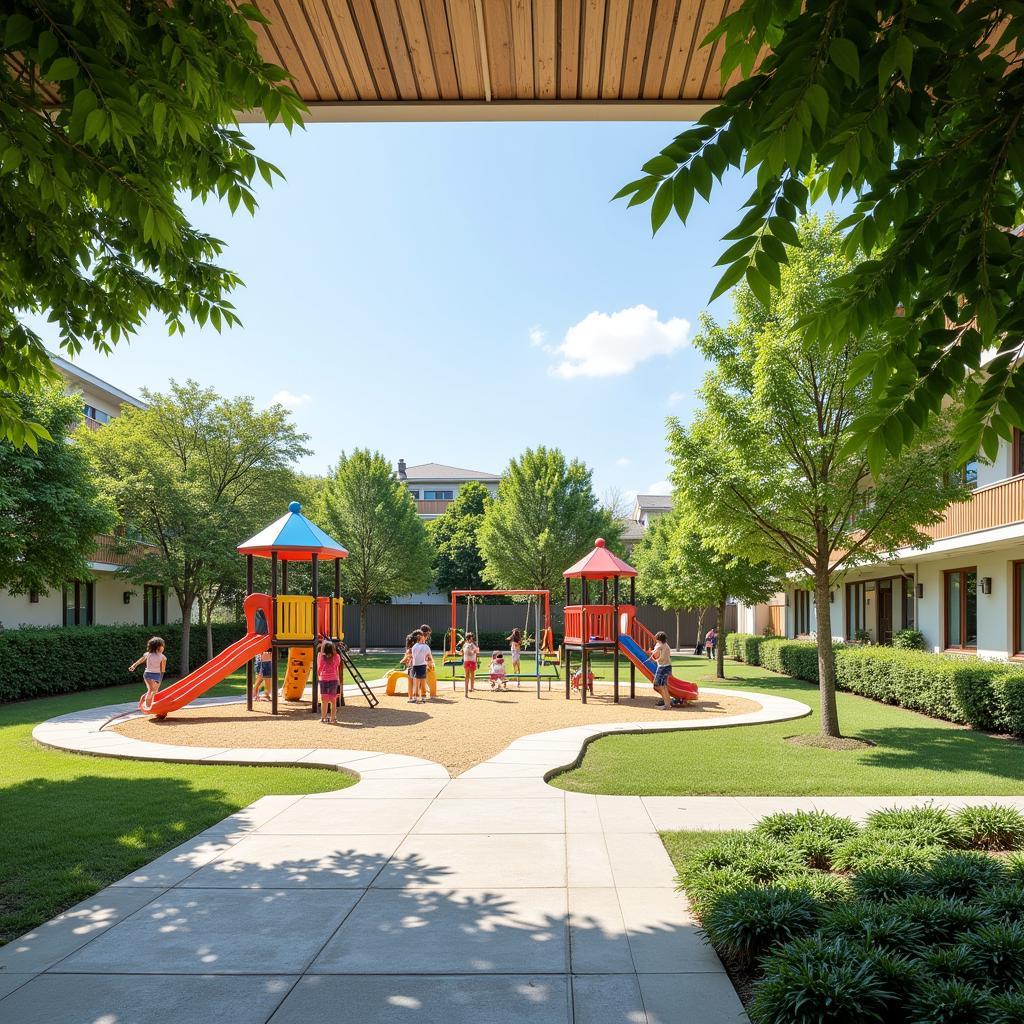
(106, 597)
(964, 592)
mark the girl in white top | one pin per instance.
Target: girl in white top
(156, 666)
(497, 671)
(420, 659)
(515, 644)
(470, 656)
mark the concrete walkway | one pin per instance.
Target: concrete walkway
(410, 896)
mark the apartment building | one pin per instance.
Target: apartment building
(965, 592)
(646, 507)
(434, 486)
(107, 597)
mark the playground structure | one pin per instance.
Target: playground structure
(546, 656)
(278, 621)
(609, 626)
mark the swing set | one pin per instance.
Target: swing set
(547, 658)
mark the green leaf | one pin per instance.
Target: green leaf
(682, 194)
(817, 100)
(728, 279)
(759, 286)
(845, 57)
(17, 30)
(736, 250)
(62, 70)
(783, 230)
(626, 190)
(701, 175)
(662, 205)
(660, 165)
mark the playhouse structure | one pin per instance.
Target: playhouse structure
(609, 626)
(277, 622)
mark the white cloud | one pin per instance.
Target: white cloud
(659, 487)
(614, 344)
(676, 397)
(622, 462)
(290, 400)
(538, 337)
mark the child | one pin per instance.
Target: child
(470, 653)
(710, 639)
(328, 674)
(407, 662)
(264, 666)
(420, 659)
(662, 655)
(156, 666)
(497, 671)
(515, 643)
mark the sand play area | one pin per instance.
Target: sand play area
(455, 731)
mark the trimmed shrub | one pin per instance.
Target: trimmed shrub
(1008, 690)
(733, 645)
(884, 850)
(962, 876)
(745, 647)
(909, 640)
(797, 658)
(1014, 867)
(811, 980)
(993, 827)
(827, 890)
(760, 858)
(749, 922)
(784, 825)
(955, 962)
(1004, 903)
(947, 1001)
(999, 949)
(875, 925)
(92, 656)
(941, 919)
(706, 886)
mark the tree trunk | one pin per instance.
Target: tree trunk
(209, 634)
(186, 631)
(362, 627)
(720, 642)
(826, 655)
(700, 627)
(679, 639)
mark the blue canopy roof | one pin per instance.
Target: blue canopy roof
(293, 538)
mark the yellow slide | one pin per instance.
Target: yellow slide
(300, 661)
(399, 675)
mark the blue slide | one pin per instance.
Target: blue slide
(678, 688)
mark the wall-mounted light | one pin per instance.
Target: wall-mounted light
(986, 584)
(831, 597)
(919, 590)
(127, 597)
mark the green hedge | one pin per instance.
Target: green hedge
(38, 662)
(984, 694)
(745, 647)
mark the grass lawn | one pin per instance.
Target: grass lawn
(913, 755)
(72, 824)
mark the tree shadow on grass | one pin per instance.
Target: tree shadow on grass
(64, 839)
(947, 750)
(369, 930)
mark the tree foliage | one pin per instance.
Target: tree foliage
(110, 114)
(677, 564)
(913, 113)
(374, 516)
(458, 563)
(545, 518)
(193, 475)
(50, 505)
(767, 470)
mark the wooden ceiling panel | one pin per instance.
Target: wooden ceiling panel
(433, 57)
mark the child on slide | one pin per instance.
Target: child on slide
(662, 655)
(470, 654)
(496, 671)
(153, 673)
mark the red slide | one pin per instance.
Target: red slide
(681, 689)
(195, 684)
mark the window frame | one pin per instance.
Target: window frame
(962, 572)
(83, 588)
(1018, 634)
(908, 600)
(801, 612)
(852, 590)
(1017, 453)
(152, 591)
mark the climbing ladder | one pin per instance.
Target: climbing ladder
(357, 677)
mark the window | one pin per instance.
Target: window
(415, 494)
(801, 612)
(33, 597)
(154, 605)
(856, 612)
(1018, 609)
(967, 474)
(78, 603)
(1017, 455)
(909, 604)
(961, 612)
(438, 495)
(96, 414)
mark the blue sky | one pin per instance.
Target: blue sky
(410, 288)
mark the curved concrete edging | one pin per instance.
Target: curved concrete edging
(536, 756)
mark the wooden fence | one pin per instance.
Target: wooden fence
(387, 625)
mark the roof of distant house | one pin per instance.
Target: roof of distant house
(85, 377)
(632, 531)
(654, 500)
(445, 474)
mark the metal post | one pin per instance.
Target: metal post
(273, 631)
(632, 667)
(615, 637)
(536, 646)
(248, 575)
(568, 675)
(584, 669)
(314, 567)
(248, 666)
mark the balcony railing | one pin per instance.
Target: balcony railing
(110, 550)
(431, 508)
(1000, 504)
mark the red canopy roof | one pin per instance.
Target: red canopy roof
(599, 564)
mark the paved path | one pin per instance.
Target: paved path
(410, 896)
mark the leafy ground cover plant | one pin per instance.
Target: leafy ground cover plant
(903, 926)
